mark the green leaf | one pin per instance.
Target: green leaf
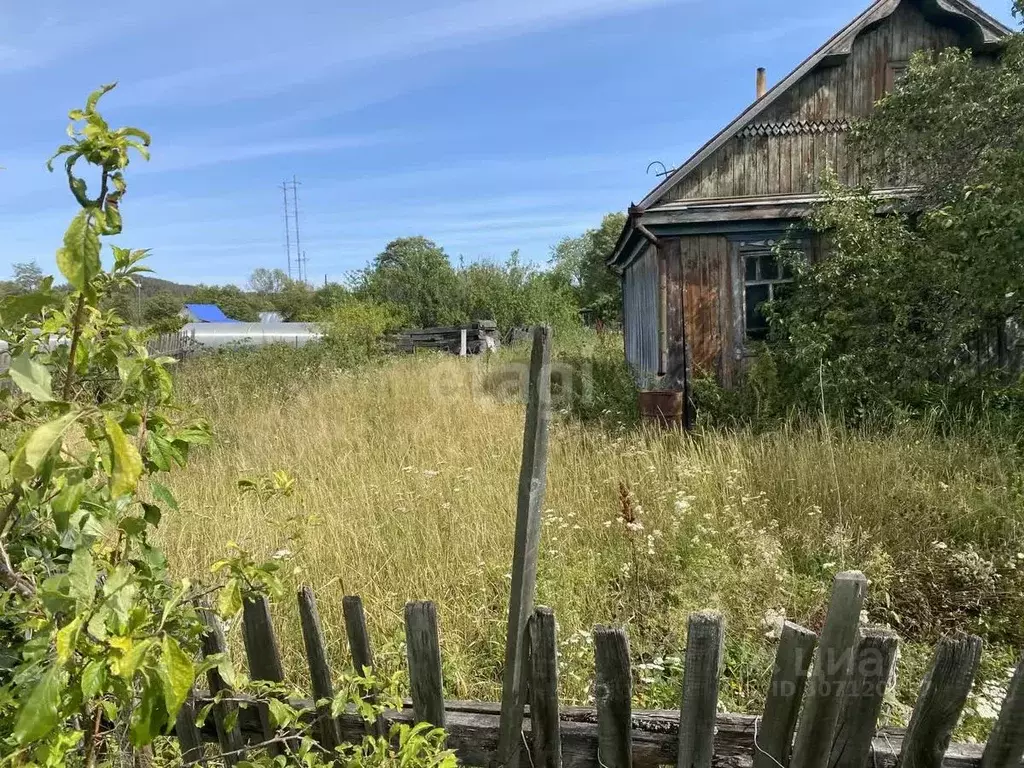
(229, 601)
(82, 576)
(280, 713)
(163, 494)
(32, 378)
(95, 96)
(148, 716)
(177, 673)
(126, 460)
(66, 503)
(94, 678)
(67, 639)
(30, 457)
(151, 514)
(126, 666)
(79, 259)
(40, 714)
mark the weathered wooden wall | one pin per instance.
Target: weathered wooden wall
(640, 314)
(706, 279)
(784, 151)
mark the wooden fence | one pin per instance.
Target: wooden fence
(178, 345)
(820, 715)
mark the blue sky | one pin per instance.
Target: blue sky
(486, 125)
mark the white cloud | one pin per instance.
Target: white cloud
(294, 52)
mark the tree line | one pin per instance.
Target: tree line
(413, 277)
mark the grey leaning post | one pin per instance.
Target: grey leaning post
(943, 695)
(862, 700)
(545, 727)
(786, 691)
(189, 738)
(1006, 744)
(704, 637)
(821, 712)
(361, 649)
(264, 655)
(423, 649)
(532, 483)
(319, 669)
(214, 644)
(613, 694)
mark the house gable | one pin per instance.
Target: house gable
(779, 146)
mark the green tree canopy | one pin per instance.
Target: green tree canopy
(582, 262)
(896, 312)
(414, 273)
(27, 276)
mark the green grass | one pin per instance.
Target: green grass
(406, 475)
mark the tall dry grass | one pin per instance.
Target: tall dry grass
(405, 488)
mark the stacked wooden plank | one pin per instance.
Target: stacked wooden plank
(481, 335)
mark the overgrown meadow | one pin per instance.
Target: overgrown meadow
(396, 481)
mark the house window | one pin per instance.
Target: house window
(765, 279)
(894, 72)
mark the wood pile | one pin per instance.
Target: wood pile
(481, 335)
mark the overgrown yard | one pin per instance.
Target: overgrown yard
(405, 476)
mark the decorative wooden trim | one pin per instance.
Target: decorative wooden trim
(793, 128)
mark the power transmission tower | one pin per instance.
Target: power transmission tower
(300, 256)
(287, 229)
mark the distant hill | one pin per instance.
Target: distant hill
(151, 286)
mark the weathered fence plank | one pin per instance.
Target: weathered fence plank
(821, 711)
(423, 648)
(189, 738)
(1005, 746)
(782, 704)
(264, 655)
(943, 695)
(361, 648)
(613, 693)
(319, 669)
(544, 723)
(472, 729)
(862, 698)
(225, 713)
(532, 484)
(704, 638)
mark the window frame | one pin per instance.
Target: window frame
(758, 246)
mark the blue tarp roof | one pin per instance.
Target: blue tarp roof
(208, 313)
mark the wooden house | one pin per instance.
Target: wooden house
(696, 254)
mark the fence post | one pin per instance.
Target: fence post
(613, 693)
(943, 695)
(774, 738)
(225, 712)
(1005, 745)
(532, 484)
(424, 654)
(545, 727)
(818, 722)
(862, 700)
(361, 649)
(319, 669)
(264, 656)
(704, 637)
(189, 738)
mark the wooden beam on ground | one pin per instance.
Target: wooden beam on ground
(532, 484)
